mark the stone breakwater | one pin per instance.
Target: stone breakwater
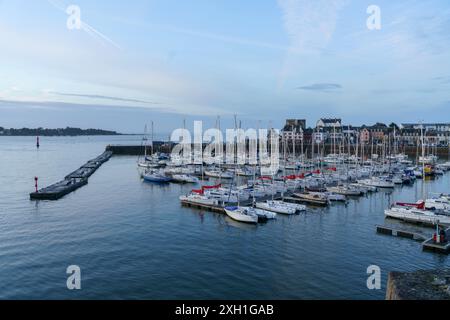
(419, 285)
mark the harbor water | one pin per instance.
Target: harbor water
(134, 240)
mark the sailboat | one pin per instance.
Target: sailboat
(242, 214)
(155, 176)
(415, 212)
(184, 178)
(148, 161)
(277, 207)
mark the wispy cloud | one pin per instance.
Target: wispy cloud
(310, 26)
(324, 87)
(204, 34)
(442, 79)
(103, 97)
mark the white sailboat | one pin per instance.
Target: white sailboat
(185, 178)
(416, 214)
(241, 214)
(276, 206)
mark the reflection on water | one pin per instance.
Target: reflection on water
(134, 240)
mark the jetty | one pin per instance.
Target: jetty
(401, 233)
(72, 181)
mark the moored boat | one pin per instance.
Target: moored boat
(241, 214)
(276, 206)
(312, 198)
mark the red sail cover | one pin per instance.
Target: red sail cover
(198, 191)
(420, 206)
(211, 187)
(332, 169)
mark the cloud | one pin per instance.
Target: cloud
(310, 26)
(203, 34)
(194, 109)
(442, 79)
(96, 96)
(324, 87)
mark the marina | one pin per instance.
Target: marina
(157, 212)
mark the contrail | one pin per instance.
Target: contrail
(86, 27)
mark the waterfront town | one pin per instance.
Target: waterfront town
(333, 130)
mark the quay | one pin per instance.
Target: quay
(166, 147)
(137, 150)
(72, 181)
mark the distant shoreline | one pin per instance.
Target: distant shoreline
(59, 132)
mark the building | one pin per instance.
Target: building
(434, 133)
(319, 137)
(428, 126)
(293, 129)
(364, 135)
(378, 131)
(329, 123)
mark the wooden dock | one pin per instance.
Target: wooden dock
(205, 207)
(72, 181)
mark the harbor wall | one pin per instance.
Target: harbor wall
(419, 285)
(166, 147)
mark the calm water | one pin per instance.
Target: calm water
(134, 241)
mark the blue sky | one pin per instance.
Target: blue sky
(263, 60)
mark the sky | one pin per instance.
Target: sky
(139, 61)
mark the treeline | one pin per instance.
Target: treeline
(56, 132)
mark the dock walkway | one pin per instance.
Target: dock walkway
(72, 181)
